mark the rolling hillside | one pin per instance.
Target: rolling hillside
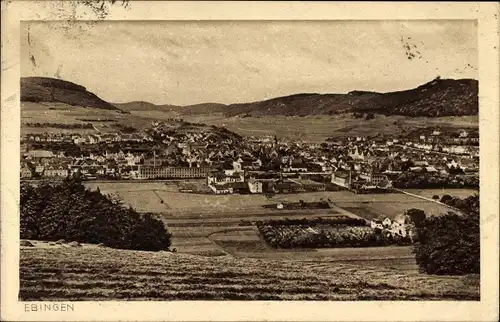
(43, 89)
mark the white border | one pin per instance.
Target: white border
(485, 310)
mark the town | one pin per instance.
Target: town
(228, 163)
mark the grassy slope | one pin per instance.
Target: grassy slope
(106, 274)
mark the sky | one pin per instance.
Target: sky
(190, 62)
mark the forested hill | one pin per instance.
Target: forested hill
(440, 97)
(45, 89)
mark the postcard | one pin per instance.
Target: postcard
(249, 161)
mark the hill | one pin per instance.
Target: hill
(94, 273)
(440, 97)
(44, 89)
(437, 98)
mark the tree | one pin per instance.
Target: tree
(417, 216)
(450, 244)
(67, 210)
(369, 116)
(435, 197)
(446, 198)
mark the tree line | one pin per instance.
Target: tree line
(67, 210)
(410, 180)
(61, 125)
(450, 244)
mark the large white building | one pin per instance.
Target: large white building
(148, 172)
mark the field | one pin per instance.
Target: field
(104, 274)
(147, 196)
(428, 193)
(62, 113)
(319, 128)
(211, 225)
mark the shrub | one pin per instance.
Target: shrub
(67, 211)
(435, 197)
(450, 244)
(446, 198)
(369, 116)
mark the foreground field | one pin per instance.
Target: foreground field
(106, 274)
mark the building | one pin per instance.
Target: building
(255, 186)
(148, 172)
(222, 177)
(26, 172)
(376, 224)
(356, 155)
(40, 155)
(53, 171)
(220, 189)
(387, 222)
(374, 178)
(342, 178)
(463, 134)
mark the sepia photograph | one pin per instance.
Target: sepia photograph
(261, 160)
(276, 160)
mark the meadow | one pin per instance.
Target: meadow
(101, 274)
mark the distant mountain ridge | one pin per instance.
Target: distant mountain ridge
(439, 97)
